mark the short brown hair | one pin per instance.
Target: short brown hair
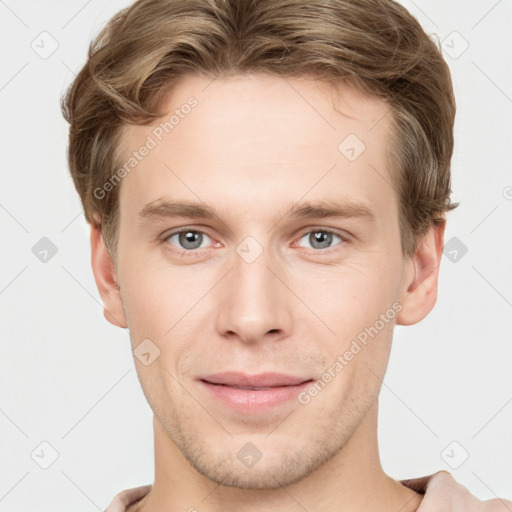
(373, 45)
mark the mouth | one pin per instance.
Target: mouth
(253, 394)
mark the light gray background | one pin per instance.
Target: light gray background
(67, 376)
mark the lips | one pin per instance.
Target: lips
(262, 380)
(253, 394)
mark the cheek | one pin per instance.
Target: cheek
(359, 307)
(163, 307)
(155, 299)
(353, 376)
(349, 300)
(145, 314)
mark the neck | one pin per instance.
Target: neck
(353, 480)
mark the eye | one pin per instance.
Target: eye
(188, 239)
(321, 238)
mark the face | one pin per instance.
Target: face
(259, 263)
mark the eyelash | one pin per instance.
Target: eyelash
(194, 252)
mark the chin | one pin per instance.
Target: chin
(267, 473)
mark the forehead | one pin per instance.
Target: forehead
(249, 140)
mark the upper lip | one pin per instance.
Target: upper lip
(258, 380)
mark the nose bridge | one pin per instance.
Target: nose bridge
(252, 304)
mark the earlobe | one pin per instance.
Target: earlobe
(106, 279)
(419, 293)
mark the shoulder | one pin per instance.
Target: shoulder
(126, 498)
(442, 493)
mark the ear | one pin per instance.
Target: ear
(419, 291)
(106, 279)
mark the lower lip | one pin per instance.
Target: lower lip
(249, 401)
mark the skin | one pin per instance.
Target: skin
(253, 147)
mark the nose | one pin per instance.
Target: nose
(254, 304)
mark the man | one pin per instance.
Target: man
(267, 183)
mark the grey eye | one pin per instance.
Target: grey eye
(320, 239)
(188, 239)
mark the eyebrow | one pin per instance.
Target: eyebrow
(162, 208)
